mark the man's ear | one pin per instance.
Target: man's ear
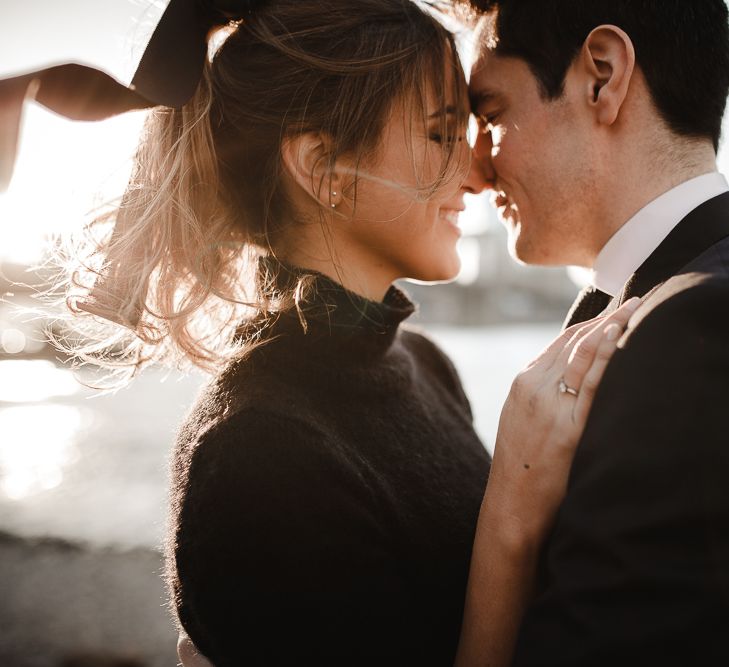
(608, 59)
(305, 158)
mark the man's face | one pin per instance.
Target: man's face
(538, 154)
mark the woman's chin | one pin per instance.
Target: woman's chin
(438, 274)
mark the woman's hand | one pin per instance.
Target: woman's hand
(188, 654)
(541, 423)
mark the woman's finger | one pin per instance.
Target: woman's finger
(578, 356)
(558, 353)
(566, 340)
(591, 381)
(623, 314)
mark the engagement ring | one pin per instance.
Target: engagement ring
(565, 389)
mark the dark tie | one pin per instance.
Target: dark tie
(590, 302)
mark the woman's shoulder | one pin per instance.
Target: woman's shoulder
(246, 404)
(242, 432)
(431, 357)
(238, 391)
(415, 336)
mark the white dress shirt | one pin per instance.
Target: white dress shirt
(636, 240)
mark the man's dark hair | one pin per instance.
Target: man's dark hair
(681, 46)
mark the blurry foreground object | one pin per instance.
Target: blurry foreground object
(99, 660)
(167, 73)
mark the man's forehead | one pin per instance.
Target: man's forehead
(487, 80)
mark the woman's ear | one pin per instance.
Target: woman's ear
(306, 159)
(608, 59)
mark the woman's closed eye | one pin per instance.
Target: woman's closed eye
(439, 138)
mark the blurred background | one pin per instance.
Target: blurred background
(83, 474)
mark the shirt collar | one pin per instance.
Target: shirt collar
(636, 240)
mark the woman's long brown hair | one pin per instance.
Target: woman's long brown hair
(168, 275)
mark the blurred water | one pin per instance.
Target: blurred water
(487, 359)
(81, 466)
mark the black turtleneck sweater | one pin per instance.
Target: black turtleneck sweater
(325, 494)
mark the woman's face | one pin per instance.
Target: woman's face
(398, 223)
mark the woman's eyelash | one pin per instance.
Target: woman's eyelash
(434, 136)
(451, 138)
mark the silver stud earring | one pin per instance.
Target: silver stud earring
(334, 194)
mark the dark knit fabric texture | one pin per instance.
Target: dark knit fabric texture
(590, 302)
(325, 492)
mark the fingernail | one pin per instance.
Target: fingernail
(612, 331)
(633, 303)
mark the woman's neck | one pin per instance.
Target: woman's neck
(356, 272)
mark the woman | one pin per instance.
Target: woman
(327, 483)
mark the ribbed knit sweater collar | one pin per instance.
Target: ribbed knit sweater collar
(328, 316)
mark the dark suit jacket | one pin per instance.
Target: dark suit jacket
(636, 571)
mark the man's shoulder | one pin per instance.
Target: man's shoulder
(679, 333)
(660, 394)
(699, 293)
(709, 270)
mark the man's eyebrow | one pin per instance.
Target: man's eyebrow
(448, 111)
(479, 97)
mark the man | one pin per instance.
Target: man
(599, 122)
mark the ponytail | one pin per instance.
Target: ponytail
(171, 265)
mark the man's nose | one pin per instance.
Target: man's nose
(482, 160)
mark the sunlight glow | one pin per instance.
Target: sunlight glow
(110, 36)
(469, 250)
(13, 341)
(478, 216)
(30, 381)
(38, 444)
(64, 170)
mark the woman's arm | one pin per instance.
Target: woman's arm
(540, 427)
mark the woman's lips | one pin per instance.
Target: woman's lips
(450, 217)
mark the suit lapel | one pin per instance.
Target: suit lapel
(706, 225)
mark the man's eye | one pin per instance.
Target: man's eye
(487, 121)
